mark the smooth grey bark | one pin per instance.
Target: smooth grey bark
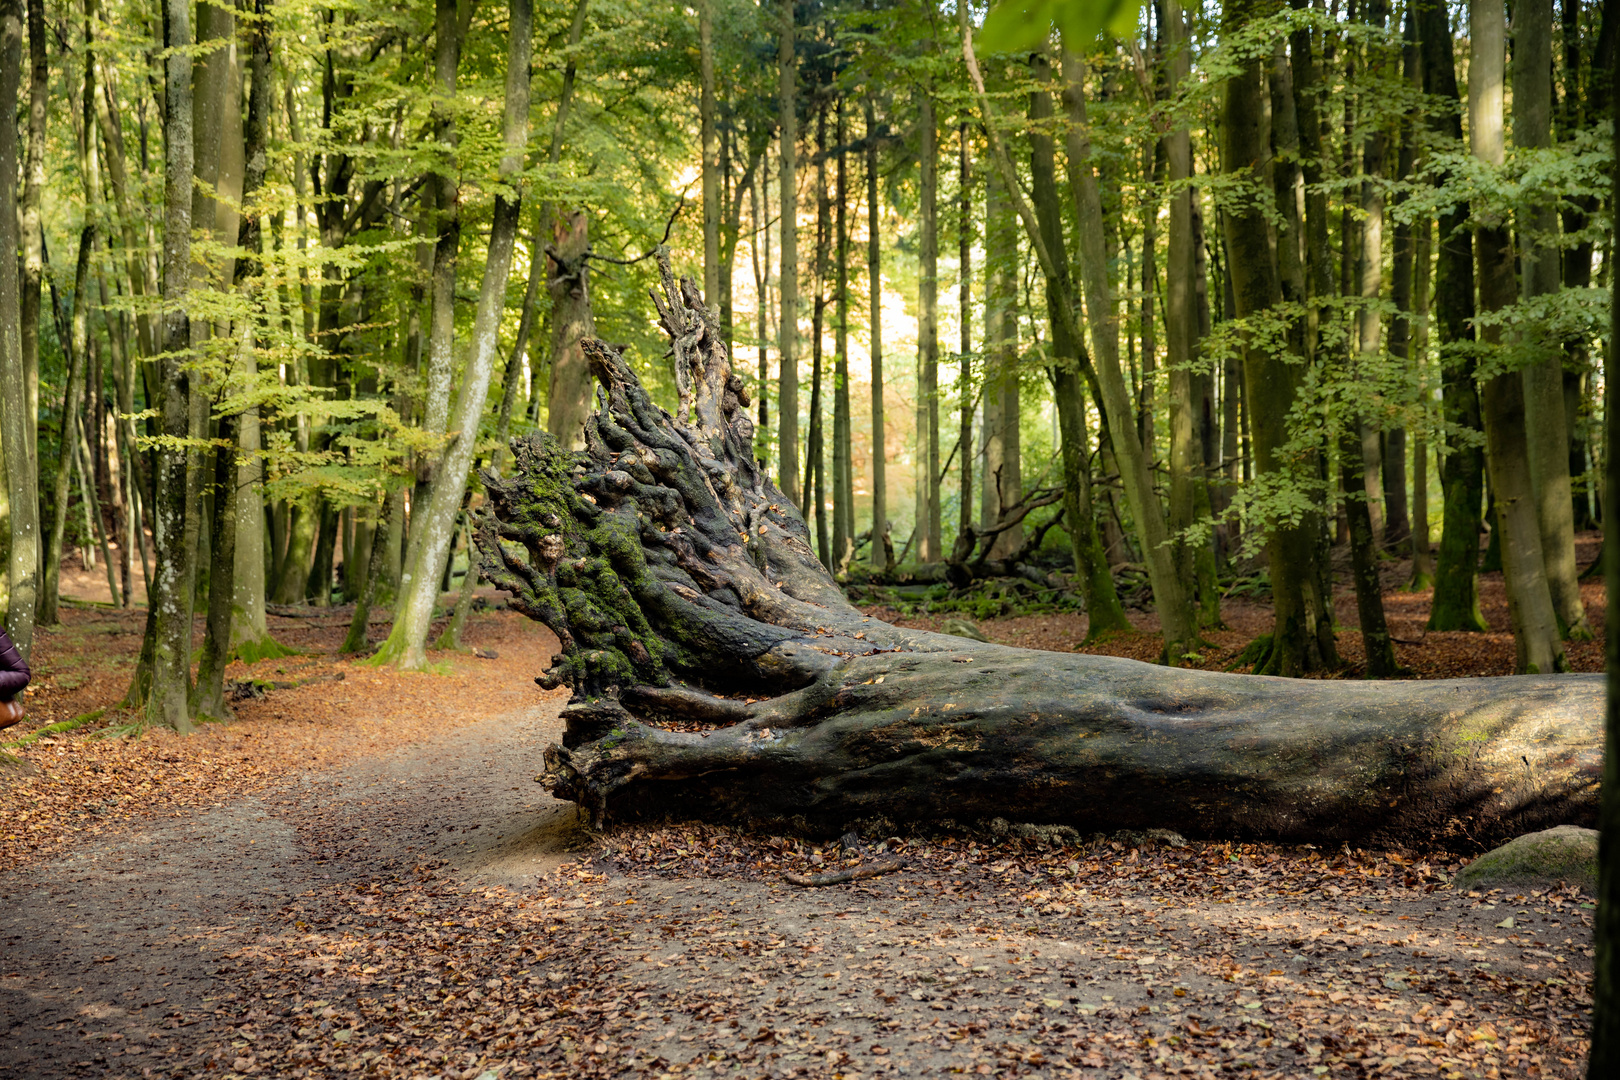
(429, 544)
(874, 282)
(77, 345)
(250, 638)
(1003, 467)
(162, 680)
(1462, 474)
(787, 343)
(33, 244)
(707, 143)
(965, 396)
(1541, 275)
(572, 321)
(22, 567)
(843, 546)
(928, 515)
(447, 197)
(673, 572)
(1302, 639)
(1536, 638)
(1187, 484)
(1175, 610)
(208, 694)
(1104, 613)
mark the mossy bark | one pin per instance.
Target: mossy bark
(681, 585)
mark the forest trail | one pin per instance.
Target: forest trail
(421, 908)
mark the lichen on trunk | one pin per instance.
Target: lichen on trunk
(682, 587)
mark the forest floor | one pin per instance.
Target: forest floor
(357, 874)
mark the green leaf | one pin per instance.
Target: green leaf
(1022, 25)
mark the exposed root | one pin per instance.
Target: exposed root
(848, 873)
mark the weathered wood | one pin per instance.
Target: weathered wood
(681, 584)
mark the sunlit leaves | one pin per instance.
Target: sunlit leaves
(1025, 25)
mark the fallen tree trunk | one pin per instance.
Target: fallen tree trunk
(682, 586)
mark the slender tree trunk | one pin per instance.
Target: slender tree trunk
(1181, 332)
(78, 343)
(1545, 424)
(382, 536)
(787, 408)
(1462, 475)
(964, 301)
(447, 187)
(1176, 617)
(1104, 612)
(928, 516)
(162, 682)
(23, 564)
(710, 168)
(250, 638)
(1397, 527)
(208, 695)
(1300, 641)
(1422, 554)
(815, 473)
(874, 283)
(33, 270)
(407, 641)
(761, 194)
(1536, 638)
(843, 477)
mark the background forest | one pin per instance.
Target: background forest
(1178, 304)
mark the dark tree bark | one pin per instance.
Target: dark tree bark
(681, 585)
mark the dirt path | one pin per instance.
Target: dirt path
(426, 910)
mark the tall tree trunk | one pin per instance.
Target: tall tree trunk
(1545, 425)
(1422, 554)
(815, 473)
(928, 516)
(568, 391)
(787, 398)
(1000, 321)
(162, 679)
(1361, 477)
(1104, 612)
(710, 168)
(874, 283)
(1397, 526)
(23, 564)
(1302, 640)
(1462, 475)
(33, 262)
(843, 478)
(250, 638)
(1181, 333)
(965, 396)
(78, 344)
(1535, 624)
(1176, 618)
(208, 695)
(407, 640)
(761, 200)
(572, 321)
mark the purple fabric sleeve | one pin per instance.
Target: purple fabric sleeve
(14, 674)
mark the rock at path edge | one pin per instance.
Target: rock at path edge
(1564, 853)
